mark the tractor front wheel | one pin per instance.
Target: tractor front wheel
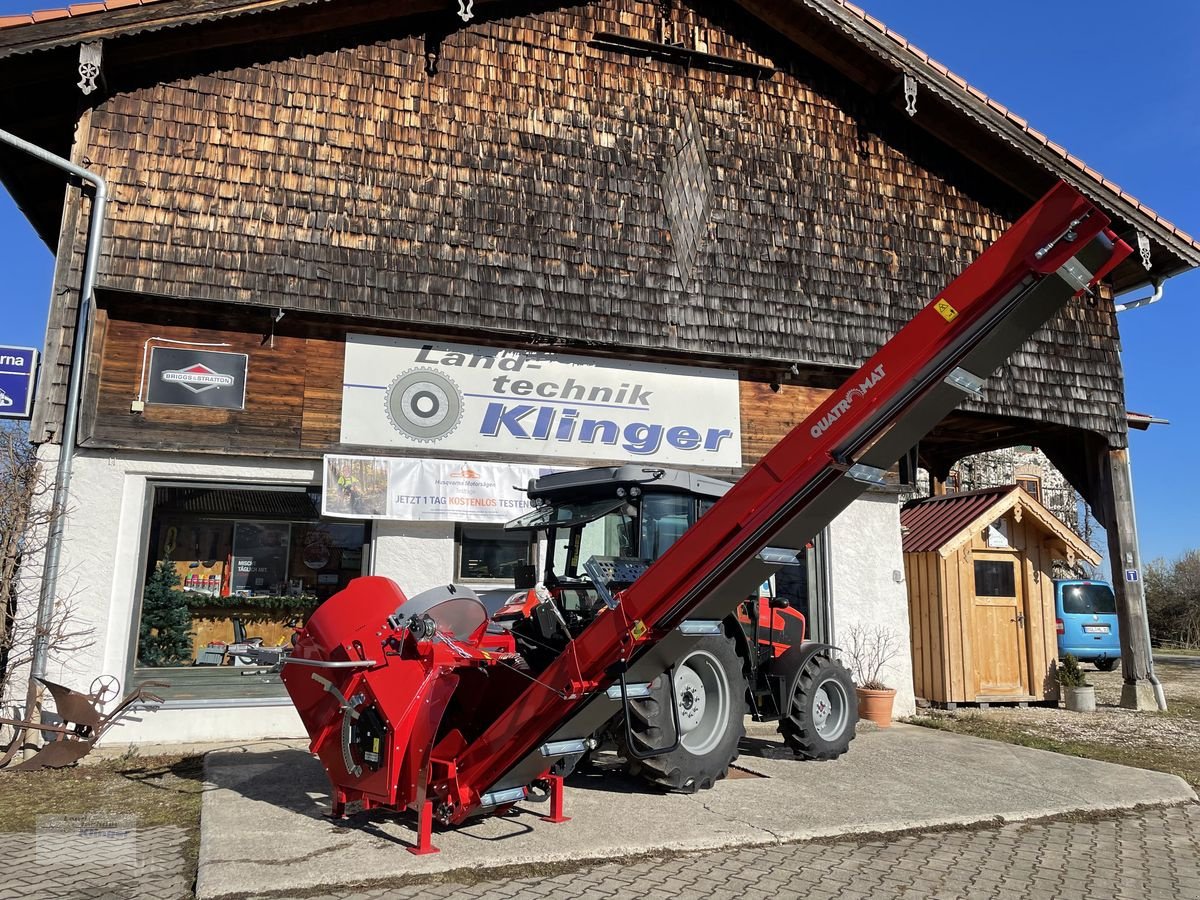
(710, 694)
(820, 709)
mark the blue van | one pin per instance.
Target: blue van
(1086, 619)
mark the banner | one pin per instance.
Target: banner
(425, 490)
(472, 399)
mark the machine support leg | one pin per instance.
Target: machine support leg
(424, 831)
(556, 801)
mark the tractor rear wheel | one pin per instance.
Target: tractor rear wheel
(820, 710)
(710, 692)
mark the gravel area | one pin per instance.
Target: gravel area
(1177, 729)
(1122, 735)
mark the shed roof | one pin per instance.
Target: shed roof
(943, 524)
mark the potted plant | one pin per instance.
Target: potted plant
(1078, 695)
(867, 651)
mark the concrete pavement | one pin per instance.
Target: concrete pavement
(263, 830)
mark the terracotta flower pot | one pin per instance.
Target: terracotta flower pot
(876, 706)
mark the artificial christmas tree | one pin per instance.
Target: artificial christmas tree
(165, 637)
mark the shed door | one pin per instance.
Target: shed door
(999, 635)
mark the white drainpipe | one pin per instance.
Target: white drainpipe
(1144, 301)
(62, 481)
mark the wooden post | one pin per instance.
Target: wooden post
(1137, 664)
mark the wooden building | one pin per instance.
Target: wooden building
(717, 208)
(980, 572)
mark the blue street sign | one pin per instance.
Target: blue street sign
(1132, 575)
(18, 371)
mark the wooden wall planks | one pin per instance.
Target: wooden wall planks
(294, 386)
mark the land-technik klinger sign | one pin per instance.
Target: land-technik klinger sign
(473, 399)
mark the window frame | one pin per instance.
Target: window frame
(133, 672)
(531, 551)
(1035, 480)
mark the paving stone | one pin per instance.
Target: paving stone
(78, 857)
(1149, 854)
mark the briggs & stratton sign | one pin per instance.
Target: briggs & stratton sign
(470, 399)
(197, 378)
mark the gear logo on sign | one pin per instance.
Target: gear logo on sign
(423, 404)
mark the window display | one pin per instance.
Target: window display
(230, 573)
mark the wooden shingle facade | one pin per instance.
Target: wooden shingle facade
(520, 177)
(731, 195)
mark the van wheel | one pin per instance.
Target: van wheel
(1107, 664)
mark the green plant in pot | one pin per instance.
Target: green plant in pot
(1078, 695)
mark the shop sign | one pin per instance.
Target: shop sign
(473, 399)
(18, 371)
(426, 490)
(206, 378)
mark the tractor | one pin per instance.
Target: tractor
(686, 723)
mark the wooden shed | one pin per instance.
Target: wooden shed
(979, 568)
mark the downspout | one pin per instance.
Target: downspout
(1143, 301)
(62, 481)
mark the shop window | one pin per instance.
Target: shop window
(489, 553)
(1032, 485)
(246, 566)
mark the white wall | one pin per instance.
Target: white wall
(100, 569)
(415, 555)
(102, 559)
(867, 583)
(103, 549)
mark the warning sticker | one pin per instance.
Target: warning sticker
(639, 628)
(948, 312)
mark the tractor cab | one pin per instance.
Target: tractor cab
(630, 511)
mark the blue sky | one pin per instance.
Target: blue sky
(1117, 84)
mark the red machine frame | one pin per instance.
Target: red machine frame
(467, 732)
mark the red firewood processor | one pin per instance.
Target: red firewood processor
(411, 704)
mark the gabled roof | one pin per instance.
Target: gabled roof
(943, 524)
(905, 46)
(830, 29)
(75, 9)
